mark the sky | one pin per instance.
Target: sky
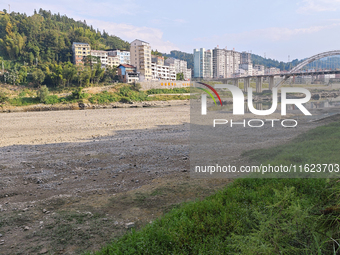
(277, 29)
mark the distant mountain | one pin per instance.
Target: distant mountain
(268, 62)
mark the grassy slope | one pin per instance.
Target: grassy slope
(255, 216)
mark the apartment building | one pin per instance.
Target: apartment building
(113, 61)
(272, 70)
(245, 58)
(80, 50)
(140, 57)
(219, 63)
(162, 72)
(123, 56)
(101, 54)
(181, 66)
(203, 64)
(159, 60)
(226, 63)
(258, 70)
(248, 69)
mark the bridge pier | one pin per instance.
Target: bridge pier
(259, 81)
(237, 82)
(271, 82)
(246, 84)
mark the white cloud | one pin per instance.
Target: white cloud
(128, 32)
(309, 6)
(272, 34)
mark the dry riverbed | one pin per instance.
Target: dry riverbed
(73, 180)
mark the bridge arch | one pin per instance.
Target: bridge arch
(306, 62)
(313, 58)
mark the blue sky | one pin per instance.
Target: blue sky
(277, 28)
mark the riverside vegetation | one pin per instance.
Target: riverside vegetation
(120, 93)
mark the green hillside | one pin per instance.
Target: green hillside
(48, 37)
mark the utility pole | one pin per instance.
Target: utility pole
(36, 61)
(9, 8)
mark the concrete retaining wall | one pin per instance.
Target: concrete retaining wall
(146, 85)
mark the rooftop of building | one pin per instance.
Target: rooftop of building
(126, 66)
(80, 43)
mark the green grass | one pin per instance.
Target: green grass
(104, 98)
(22, 101)
(318, 146)
(168, 91)
(254, 216)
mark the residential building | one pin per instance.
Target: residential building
(159, 60)
(127, 73)
(113, 61)
(162, 72)
(80, 50)
(203, 66)
(140, 57)
(102, 55)
(258, 70)
(245, 58)
(219, 63)
(272, 70)
(181, 66)
(248, 69)
(233, 61)
(123, 56)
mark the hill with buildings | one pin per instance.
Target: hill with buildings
(188, 57)
(47, 37)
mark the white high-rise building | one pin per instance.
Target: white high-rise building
(219, 63)
(203, 66)
(140, 57)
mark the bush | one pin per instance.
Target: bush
(78, 94)
(3, 97)
(137, 86)
(53, 99)
(43, 93)
(132, 95)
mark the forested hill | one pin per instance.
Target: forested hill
(48, 37)
(268, 62)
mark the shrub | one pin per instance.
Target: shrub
(43, 93)
(53, 99)
(78, 94)
(3, 97)
(132, 95)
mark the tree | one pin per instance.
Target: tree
(38, 77)
(69, 71)
(43, 93)
(179, 77)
